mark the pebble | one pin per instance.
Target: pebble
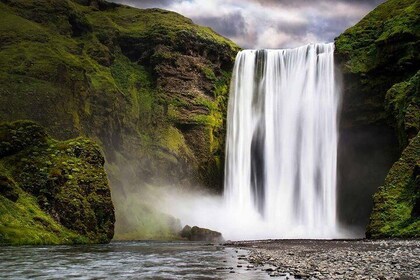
(269, 269)
(359, 259)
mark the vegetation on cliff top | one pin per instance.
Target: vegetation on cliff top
(119, 75)
(393, 27)
(378, 52)
(52, 192)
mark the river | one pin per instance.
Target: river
(127, 260)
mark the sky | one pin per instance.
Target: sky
(269, 23)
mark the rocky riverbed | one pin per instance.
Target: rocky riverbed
(319, 259)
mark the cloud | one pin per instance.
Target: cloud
(233, 24)
(269, 23)
(146, 3)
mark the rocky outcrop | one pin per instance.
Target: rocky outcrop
(52, 192)
(201, 234)
(149, 86)
(396, 204)
(379, 59)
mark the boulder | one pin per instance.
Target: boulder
(56, 191)
(201, 234)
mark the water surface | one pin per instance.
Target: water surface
(127, 260)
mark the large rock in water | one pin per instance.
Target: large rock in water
(201, 234)
(380, 59)
(149, 86)
(52, 192)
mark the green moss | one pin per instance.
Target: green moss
(208, 73)
(23, 222)
(63, 179)
(375, 54)
(379, 58)
(394, 213)
(133, 79)
(153, 21)
(172, 139)
(100, 70)
(391, 21)
(402, 102)
(77, 69)
(208, 120)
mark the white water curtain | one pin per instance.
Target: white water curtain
(281, 149)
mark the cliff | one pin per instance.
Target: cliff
(380, 59)
(52, 192)
(149, 86)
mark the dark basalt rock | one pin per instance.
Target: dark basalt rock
(15, 137)
(186, 232)
(201, 234)
(8, 188)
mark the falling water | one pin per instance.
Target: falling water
(281, 155)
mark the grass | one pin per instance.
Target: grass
(134, 21)
(392, 20)
(24, 223)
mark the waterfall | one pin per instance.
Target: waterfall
(281, 149)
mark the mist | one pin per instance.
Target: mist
(159, 212)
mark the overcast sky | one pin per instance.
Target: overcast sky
(269, 23)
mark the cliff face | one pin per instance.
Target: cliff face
(379, 59)
(396, 211)
(149, 86)
(52, 192)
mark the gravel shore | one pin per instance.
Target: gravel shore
(319, 259)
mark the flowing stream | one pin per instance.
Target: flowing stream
(281, 154)
(128, 260)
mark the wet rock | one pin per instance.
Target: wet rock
(391, 259)
(186, 232)
(406, 277)
(250, 266)
(269, 269)
(201, 234)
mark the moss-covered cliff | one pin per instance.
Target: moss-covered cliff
(396, 211)
(52, 192)
(149, 86)
(380, 60)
